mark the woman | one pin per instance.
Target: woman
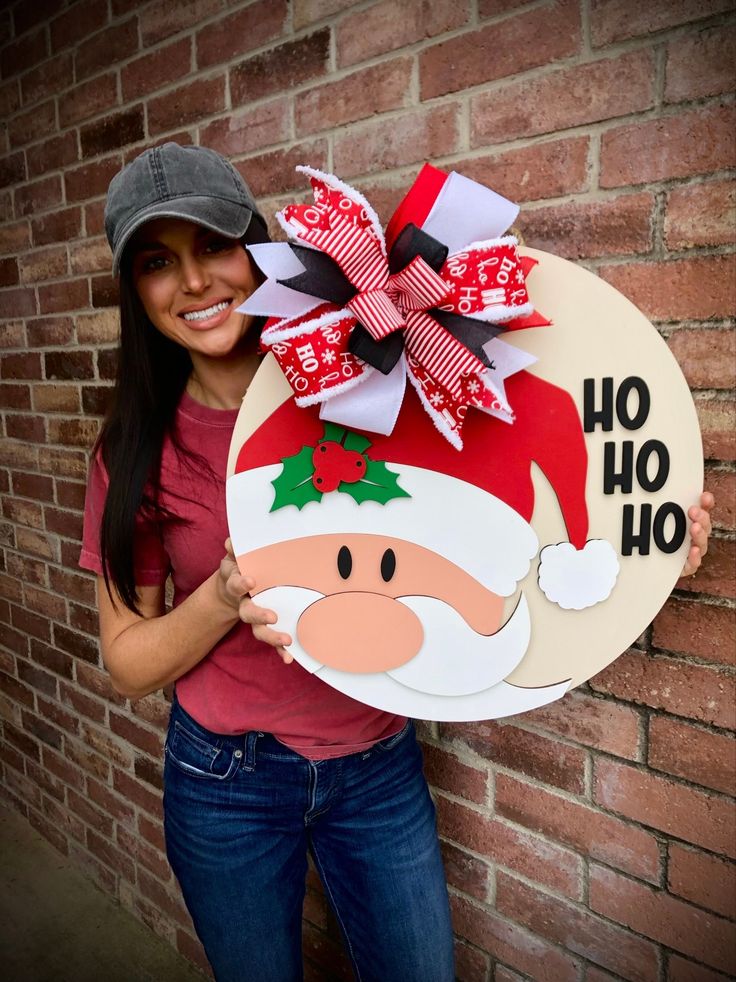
(263, 761)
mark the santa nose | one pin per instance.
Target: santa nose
(360, 630)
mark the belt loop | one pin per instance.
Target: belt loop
(249, 761)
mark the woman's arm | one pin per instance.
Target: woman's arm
(145, 652)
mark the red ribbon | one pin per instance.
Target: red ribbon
(313, 350)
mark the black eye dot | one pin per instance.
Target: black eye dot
(388, 565)
(344, 562)
(322, 448)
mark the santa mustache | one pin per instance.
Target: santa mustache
(457, 673)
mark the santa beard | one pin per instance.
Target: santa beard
(457, 674)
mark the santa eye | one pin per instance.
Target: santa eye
(388, 565)
(344, 562)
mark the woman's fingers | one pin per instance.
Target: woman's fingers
(700, 529)
(261, 620)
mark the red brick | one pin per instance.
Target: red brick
(45, 780)
(88, 99)
(53, 659)
(50, 831)
(44, 264)
(578, 930)
(156, 69)
(533, 857)
(536, 37)
(133, 790)
(58, 226)
(393, 24)
(95, 870)
(37, 486)
(141, 852)
(588, 831)
(717, 418)
(95, 818)
(685, 813)
(722, 484)
(598, 723)
(717, 575)
(112, 131)
(16, 690)
(154, 710)
(120, 810)
(231, 36)
(186, 104)
(682, 970)
(97, 682)
(24, 53)
(111, 856)
(703, 879)
(152, 889)
(12, 335)
(9, 272)
(274, 171)
(56, 398)
(699, 65)
(27, 16)
(70, 365)
(18, 303)
(696, 691)
(563, 99)
(151, 831)
(681, 289)
(73, 432)
(25, 513)
(663, 918)
(707, 358)
(41, 729)
(48, 79)
(105, 48)
(249, 129)
(701, 214)
(41, 545)
(614, 20)
(38, 196)
(91, 180)
(695, 142)
(618, 226)
(388, 143)
(34, 124)
(698, 755)
(75, 24)
(135, 734)
(21, 740)
(280, 68)
(64, 463)
(466, 872)
(510, 943)
(70, 294)
(25, 427)
(161, 21)
(543, 759)
(308, 11)
(364, 93)
(15, 237)
(52, 154)
(9, 97)
(12, 169)
(445, 771)
(15, 396)
(104, 294)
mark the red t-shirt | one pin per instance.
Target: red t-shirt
(242, 684)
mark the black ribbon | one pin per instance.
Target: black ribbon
(323, 278)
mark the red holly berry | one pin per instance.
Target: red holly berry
(333, 464)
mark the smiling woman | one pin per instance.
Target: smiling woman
(264, 762)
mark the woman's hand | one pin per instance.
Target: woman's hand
(234, 589)
(700, 529)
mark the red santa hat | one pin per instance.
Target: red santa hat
(474, 507)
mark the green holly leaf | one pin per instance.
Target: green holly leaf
(333, 432)
(379, 484)
(294, 485)
(356, 441)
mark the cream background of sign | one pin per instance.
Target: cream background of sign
(602, 334)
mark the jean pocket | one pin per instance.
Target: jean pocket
(390, 742)
(199, 758)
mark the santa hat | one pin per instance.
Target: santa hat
(473, 508)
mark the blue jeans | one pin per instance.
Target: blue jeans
(242, 812)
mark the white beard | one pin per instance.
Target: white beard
(457, 674)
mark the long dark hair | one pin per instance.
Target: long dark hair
(152, 373)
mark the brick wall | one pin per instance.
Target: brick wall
(587, 840)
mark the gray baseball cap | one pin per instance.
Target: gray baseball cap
(171, 181)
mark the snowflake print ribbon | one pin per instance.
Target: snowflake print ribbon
(350, 320)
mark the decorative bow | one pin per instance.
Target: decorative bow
(347, 308)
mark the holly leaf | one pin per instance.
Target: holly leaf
(379, 484)
(294, 485)
(356, 441)
(333, 432)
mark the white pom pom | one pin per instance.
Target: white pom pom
(578, 578)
